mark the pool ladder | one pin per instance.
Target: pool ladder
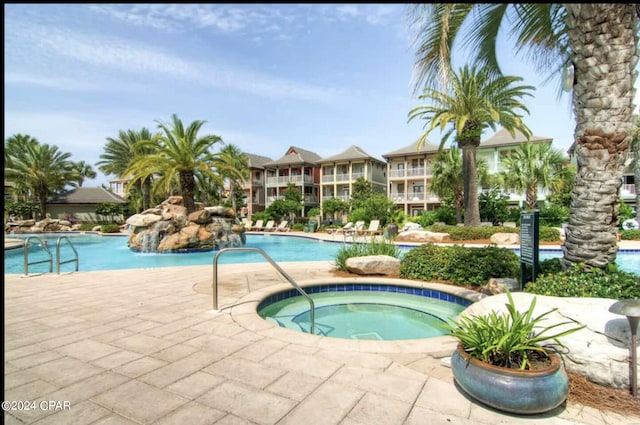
(44, 245)
(275, 266)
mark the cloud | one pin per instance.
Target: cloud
(110, 54)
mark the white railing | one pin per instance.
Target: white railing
(341, 197)
(396, 174)
(284, 180)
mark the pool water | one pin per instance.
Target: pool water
(371, 313)
(98, 252)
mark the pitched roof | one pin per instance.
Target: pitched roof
(295, 155)
(503, 138)
(87, 195)
(256, 161)
(351, 153)
(412, 149)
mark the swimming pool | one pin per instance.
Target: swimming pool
(97, 252)
(365, 311)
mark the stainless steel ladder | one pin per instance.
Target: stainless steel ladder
(45, 246)
(276, 266)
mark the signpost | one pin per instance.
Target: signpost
(529, 244)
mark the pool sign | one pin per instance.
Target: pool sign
(529, 243)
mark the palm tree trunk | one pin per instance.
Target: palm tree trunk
(470, 173)
(146, 194)
(187, 188)
(603, 40)
(532, 197)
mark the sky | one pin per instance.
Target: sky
(264, 77)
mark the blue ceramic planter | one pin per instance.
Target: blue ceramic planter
(516, 391)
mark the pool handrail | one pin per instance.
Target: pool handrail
(275, 265)
(44, 245)
(75, 259)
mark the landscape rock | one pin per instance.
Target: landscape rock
(374, 265)
(422, 236)
(505, 238)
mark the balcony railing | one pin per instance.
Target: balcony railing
(285, 180)
(308, 199)
(341, 197)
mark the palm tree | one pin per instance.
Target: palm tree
(635, 162)
(181, 154)
(447, 178)
(232, 165)
(85, 171)
(475, 101)
(530, 167)
(121, 152)
(599, 43)
(42, 169)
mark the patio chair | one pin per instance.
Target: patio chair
(347, 227)
(355, 231)
(283, 226)
(258, 225)
(269, 226)
(374, 229)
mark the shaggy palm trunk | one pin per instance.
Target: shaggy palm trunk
(532, 197)
(187, 188)
(636, 176)
(470, 182)
(146, 194)
(603, 41)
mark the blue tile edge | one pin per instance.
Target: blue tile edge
(345, 287)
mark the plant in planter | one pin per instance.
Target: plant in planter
(501, 361)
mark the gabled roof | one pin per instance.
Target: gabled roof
(87, 195)
(351, 153)
(503, 138)
(412, 149)
(256, 161)
(295, 156)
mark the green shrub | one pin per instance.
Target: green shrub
(361, 250)
(630, 235)
(549, 234)
(298, 227)
(110, 228)
(460, 265)
(581, 282)
(86, 227)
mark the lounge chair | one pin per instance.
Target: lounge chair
(374, 229)
(347, 227)
(246, 222)
(269, 226)
(258, 225)
(355, 231)
(283, 226)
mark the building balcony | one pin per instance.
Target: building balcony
(340, 197)
(285, 180)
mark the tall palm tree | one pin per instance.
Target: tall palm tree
(85, 171)
(448, 180)
(635, 162)
(474, 102)
(232, 165)
(530, 167)
(121, 152)
(182, 154)
(599, 43)
(42, 169)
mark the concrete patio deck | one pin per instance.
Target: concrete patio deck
(146, 347)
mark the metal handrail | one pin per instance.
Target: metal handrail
(44, 245)
(58, 262)
(276, 266)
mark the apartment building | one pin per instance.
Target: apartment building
(254, 187)
(410, 170)
(339, 172)
(409, 173)
(298, 167)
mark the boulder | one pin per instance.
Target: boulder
(422, 236)
(505, 239)
(374, 265)
(599, 352)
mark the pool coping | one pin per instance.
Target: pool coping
(244, 313)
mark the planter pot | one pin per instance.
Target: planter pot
(511, 390)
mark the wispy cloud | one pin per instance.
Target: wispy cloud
(118, 55)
